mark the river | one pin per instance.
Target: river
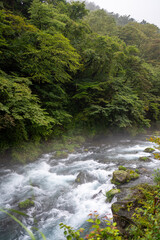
(58, 197)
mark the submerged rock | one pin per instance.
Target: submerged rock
(97, 194)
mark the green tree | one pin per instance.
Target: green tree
(46, 17)
(77, 10)
(101, 22)
(21, 116)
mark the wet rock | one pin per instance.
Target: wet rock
(120, 176)
(122, 213)
(145, 159)
(110, 194)
(84, 177)
(9, 227)
(149, 150)
(132, 174)
(143, 170)
(97, 194)
(126, 206)
(124, 176)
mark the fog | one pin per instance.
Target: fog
(148, 10)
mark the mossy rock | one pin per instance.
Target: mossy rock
(61, 154)
(113, 181)
(110, 194)
(149, 150)
(120, 176)
(132, 174)
(122, 168)
(144, 159)
(124, 176)
(85, 150)
(122, 213)
(26, 204)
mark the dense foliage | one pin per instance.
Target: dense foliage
(66, 68)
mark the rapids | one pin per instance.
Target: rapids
(58, 198)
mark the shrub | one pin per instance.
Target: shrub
(110, 232)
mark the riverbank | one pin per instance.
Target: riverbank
(29, 151)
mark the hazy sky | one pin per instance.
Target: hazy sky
(148, 10)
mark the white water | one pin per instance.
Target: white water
(58, 198)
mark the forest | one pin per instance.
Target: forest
(69, 70)
(71, 67)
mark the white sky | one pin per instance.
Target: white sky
(148, 10)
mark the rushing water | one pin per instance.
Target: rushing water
(58, 198)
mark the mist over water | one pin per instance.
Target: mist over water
(58, 196)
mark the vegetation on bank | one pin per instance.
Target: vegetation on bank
(143, 207)
(64, 68)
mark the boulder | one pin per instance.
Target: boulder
(144, 159)
(84, 177)
(132, 174)
(110, 194)
(123, 176)
(149, 150)
(120, 176)
(122, 213)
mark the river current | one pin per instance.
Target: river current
(58, 196)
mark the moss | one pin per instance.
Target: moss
(113, 181)
(116, 207)
(132, 174)
(122, 168)
(71, 147)
(124, 176)
(61, 154)
(120, 176)
(144, 159)
(149, 150)
(58, 146)
(110, 194)
(27, 152)
(65, 144)
(26, 204)
(141, 191)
